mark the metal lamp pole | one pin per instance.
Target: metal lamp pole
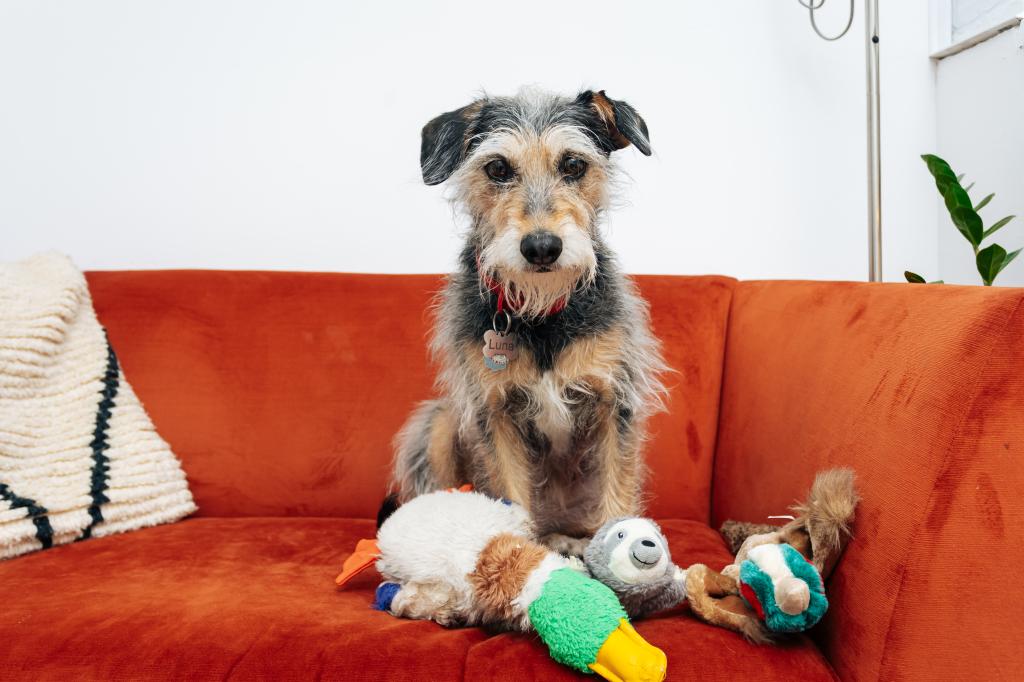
(874, 127)
(874, 145)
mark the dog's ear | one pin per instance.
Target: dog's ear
(443, 144)
(620, 124)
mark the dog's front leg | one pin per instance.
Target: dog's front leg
(621, 476)
(606, 448)
(508, 469)
(565, 544)
(615, 449)
(510, 477)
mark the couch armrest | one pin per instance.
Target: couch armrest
(920, 389)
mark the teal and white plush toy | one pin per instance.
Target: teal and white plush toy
(462, 558)
(783, 588)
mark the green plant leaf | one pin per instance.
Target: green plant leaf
(913, 277)
(990, 262)
(1009, 258)
(956, 196)
(943, 183)
(996, 225)
(935, 163)
(960, 178)
(945, 172)
(940, 170)
(968, 187)
(969, 223)
(983, 203)
(938, 281)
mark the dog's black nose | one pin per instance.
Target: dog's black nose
(541, 248)
(647, 543)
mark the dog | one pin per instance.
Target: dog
(549, 409)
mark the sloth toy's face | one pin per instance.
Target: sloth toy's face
(632, 550)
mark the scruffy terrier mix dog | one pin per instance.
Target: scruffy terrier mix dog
(548, 367)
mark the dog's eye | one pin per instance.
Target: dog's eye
(498, 170)
(621, 535)
(572, 167)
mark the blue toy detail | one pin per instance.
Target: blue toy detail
(385, 595)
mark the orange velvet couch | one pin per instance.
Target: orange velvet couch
(280, 392)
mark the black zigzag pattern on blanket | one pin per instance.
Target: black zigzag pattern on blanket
(100, 461)
(36, 512)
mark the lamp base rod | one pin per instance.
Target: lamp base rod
(874, 145)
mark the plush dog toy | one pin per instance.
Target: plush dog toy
(462, 558)
(630, 555)
(776, 582)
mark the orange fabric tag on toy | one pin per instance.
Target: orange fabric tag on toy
(366, 553)
(464, 488)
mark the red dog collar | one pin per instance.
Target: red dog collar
(495, 287)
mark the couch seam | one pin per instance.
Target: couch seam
(718, 410)
(968, 405)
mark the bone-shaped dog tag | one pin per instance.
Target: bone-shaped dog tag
(499, 350)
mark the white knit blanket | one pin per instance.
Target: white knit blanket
(79, 456)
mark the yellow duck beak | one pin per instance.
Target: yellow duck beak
(627, 657)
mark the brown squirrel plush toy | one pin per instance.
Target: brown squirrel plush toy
(819, 531)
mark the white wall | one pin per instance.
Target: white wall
(286, 135)
(980, 105)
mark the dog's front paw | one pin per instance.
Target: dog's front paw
(565, 545)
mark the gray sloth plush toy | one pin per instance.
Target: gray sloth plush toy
(630, 555)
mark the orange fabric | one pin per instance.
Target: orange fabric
(364, 556)
(689, 316)
(169, 603)
(281, 392)
(921, 390)
(213, 599)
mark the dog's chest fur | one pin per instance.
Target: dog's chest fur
(557, 411)
(553, 416)
(556, 420)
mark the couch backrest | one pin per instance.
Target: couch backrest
(281, 392)
(921, 390)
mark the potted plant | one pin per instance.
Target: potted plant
(990, 260)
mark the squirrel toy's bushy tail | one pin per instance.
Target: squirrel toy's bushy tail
(828, 512)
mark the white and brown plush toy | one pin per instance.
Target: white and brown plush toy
(462, 558)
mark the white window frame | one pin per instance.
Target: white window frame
(1006, 15)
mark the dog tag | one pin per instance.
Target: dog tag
(499, 350)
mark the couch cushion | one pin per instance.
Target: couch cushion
(920, 390)
(281, 392)
(689, 316)
(212, 599)
(255, 599)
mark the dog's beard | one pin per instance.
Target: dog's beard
(535, 290)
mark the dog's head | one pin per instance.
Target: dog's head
(532, 171)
